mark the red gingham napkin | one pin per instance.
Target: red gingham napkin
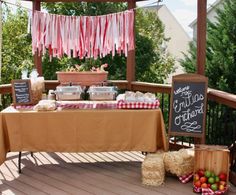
(24, 107)
(197, 190)
(88, 105)
(106, 105)
(121, 104)
(209, 191)
(186, 178)
(75, 106)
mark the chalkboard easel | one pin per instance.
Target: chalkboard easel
(188, 106)
(21, 92)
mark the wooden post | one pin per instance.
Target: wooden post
(0, 43)
(130, 64)
(37, 57)
(201, 44)
(201, 36)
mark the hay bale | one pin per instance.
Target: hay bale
(153, 171)
(179, 162)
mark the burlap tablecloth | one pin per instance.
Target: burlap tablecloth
(81, 131)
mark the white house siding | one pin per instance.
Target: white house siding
(211, 15)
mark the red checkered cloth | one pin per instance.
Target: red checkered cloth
(87, 105)
(74, 106)
(197, 190)
(209, 191)
(121, 104)
(186, 178)
(107, 105)
(24, 107)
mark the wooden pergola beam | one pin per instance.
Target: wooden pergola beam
(37, 57)
(95, 1)
(130, 63)
(201, 36)
(71, 1)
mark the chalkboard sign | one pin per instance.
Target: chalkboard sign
(188, 105)
(21, 92)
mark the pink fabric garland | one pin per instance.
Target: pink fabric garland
(83, 36)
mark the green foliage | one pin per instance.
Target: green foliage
(222, 47)
(190, 60)
(84, 8)
(221, 50)
(153, 64)
(16, 44)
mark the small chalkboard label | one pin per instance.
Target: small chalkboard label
(188, 105)
(21, 92)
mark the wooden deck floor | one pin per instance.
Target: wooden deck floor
(82, 173)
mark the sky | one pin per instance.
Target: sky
(185, 11)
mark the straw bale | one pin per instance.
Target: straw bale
(179, 162)
(153, 171)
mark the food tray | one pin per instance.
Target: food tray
(102, 93)
(68, 92)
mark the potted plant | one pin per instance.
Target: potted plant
(83, 74)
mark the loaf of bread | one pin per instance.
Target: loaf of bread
(45, 105)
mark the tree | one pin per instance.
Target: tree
(222, 47)
(220, 70)
(221, 50)
(16, 48)
(152, 64)
(84, 8)
(190, 59)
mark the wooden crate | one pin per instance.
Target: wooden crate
(212, 158)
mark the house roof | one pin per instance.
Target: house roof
(159, 6)
(212, 6)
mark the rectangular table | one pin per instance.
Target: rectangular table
(81, 131)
